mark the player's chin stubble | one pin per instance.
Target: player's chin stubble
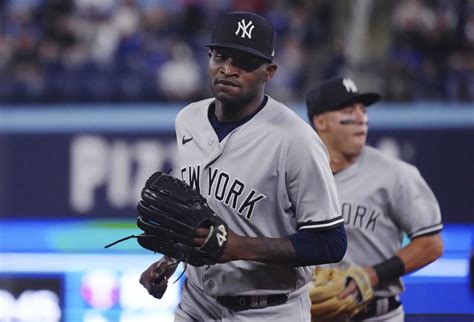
(233, 102)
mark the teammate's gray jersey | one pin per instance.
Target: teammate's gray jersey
(269, 177)
(382, 198)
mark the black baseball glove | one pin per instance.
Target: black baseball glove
(169, 213)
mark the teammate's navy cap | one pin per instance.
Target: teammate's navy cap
(335, 94)
(245, 31)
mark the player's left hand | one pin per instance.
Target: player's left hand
(172, 216)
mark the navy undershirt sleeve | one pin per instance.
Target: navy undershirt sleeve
(319, 247)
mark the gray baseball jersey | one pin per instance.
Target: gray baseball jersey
(269, 177)
(381, 199)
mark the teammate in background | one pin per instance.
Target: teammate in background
(381, 198)
(248, 155)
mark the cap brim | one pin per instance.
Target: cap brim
(366, 98)
(241, 48)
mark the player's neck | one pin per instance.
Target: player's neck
(340, 161)
(227, 112)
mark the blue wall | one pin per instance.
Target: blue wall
(37, 141)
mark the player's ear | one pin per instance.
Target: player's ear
(270, 70)
(319, 122)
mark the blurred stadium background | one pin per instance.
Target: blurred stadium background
(88, 94)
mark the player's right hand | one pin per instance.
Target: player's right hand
(155, 278)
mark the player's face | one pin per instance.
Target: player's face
(345, 130)
(236, 78)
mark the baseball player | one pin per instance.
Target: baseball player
(248, 156)
(381, 198)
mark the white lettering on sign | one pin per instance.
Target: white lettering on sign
(31, 305)
(88, 170)
(115, 167)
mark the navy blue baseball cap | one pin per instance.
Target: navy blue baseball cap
(245, 31)
(335, 94)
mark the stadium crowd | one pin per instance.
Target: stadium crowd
(59, 51)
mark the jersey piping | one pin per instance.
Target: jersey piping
(322, 225)
(426, 231)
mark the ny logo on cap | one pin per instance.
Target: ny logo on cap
(349, 85)
(245, 28)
